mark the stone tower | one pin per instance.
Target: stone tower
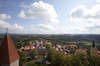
(8, 53)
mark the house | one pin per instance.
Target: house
(70, 46)
(81, 50)
(26, 48)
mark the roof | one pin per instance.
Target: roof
(93, 44)
(8, 53)
(70, 45)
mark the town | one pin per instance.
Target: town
(42, 52)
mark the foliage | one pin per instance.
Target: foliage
(34, 64)
(94, 61)
(23, 58)
(56, 58)
(79, 60)
(33, 54)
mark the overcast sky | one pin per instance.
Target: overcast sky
(50, 16)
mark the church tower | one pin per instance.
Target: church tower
(8, 53)
(93, 50)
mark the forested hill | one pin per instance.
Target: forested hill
(65, 37)
(69, 37)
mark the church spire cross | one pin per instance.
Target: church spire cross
(6, 30)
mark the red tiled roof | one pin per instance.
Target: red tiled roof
(8, 53)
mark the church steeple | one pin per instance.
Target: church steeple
(93, 44)
(8, 53)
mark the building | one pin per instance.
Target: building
(81, 50)
(94, 51)
(70, 46)
(8, 53)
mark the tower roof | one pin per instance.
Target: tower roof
(8, 53)
(93, 44)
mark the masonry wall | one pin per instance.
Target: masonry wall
(16, 63)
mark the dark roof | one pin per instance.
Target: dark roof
(93, 44)
(8, 53)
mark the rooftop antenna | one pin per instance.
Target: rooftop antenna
(6, 30)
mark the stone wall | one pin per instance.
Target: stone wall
(16, 63)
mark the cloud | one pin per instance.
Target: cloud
(44, 12)
(84, 13)
(45, 27)
(4, 16)
(40, 10)
(98, 1)
(15, 28)
(42, 29)
(83, 20)
(87, 19)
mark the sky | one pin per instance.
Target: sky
(50, 16)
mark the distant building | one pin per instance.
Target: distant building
(8, 53)
(94, 51)
(70, 46)
(83, 51)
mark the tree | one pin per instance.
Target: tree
(23, 58)
(33, 54)
(56, 58)
(79, 59)
(94, 61)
